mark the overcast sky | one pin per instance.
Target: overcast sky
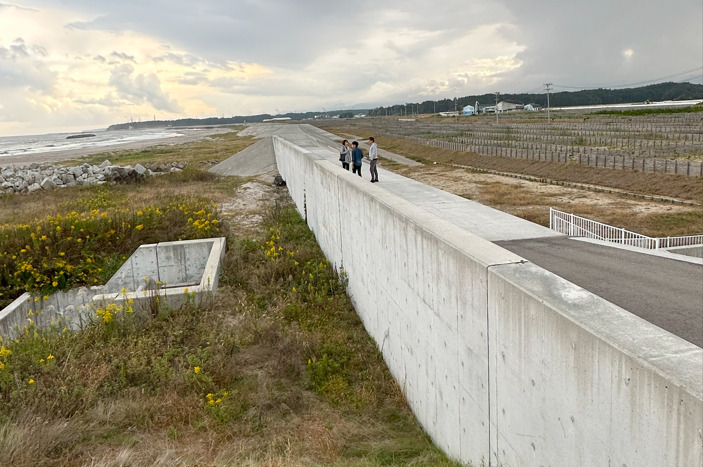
(68, 65)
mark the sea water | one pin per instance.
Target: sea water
(52, 142)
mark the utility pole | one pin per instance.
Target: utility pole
(456, 114)
(548, 87)
(496, 108)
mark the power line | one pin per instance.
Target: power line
(676, 75)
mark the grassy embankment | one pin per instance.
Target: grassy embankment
(524, 200)
(277, 370)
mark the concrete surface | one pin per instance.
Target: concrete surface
(502, 362)
(174, 271)
(693, 251)
(665, 292)
(70, 309)
(169, 270)
(256, 159)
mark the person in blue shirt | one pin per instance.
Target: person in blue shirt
(357, 156)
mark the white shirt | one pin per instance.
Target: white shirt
(373, 151)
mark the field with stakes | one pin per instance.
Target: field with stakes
(669, 143)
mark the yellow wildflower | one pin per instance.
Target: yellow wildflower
(196, 370)
(139, 227)
(31, 381)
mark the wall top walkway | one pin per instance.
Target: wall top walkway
(486, 222)
(625, 289)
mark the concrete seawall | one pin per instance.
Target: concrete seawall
(502, 362)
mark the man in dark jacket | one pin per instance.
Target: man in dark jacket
(357, 156)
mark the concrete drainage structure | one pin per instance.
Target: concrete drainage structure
(172, 271)
(169, 270)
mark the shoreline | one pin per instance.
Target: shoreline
(194, 134)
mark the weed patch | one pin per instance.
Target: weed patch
(278, 369)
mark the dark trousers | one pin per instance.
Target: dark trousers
(357, 169)
(374, 170)
(345, 166)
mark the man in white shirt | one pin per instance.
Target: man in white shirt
(373, 159)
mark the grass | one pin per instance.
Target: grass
(277, 370)
(217, 147)
(90, 236)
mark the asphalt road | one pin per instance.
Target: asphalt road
(665, 292)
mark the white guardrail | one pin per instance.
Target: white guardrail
(576, 226)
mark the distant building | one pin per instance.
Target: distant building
(277, 119)
(448, 114)
(507, 106)
(532, 107)
(469, 110)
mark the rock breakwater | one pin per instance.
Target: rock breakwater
(35, 177)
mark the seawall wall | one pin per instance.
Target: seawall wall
(502, 362)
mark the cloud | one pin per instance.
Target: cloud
(580, 43)
(22, 67)
(141, 88)
(240, 56)
(123, 56)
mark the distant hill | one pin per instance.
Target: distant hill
(653, 92)
(186, 122)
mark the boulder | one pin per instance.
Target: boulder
(48, 184)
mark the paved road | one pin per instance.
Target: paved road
(665, 292)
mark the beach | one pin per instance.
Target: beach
(191, 135)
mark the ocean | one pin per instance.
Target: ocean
(52, 142)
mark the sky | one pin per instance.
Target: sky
(71, 65)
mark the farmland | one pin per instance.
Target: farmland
(670, 143)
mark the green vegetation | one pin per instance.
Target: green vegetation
(89, 239)
(653, 92)
(276, 370)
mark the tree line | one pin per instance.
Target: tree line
(653, 92)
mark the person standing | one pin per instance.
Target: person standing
(357, 156)
(345, 155)
(373, 159)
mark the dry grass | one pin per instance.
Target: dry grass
(217, 147)
(305, 384)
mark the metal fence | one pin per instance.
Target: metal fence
(576, 226)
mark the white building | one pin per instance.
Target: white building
(507, 106)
